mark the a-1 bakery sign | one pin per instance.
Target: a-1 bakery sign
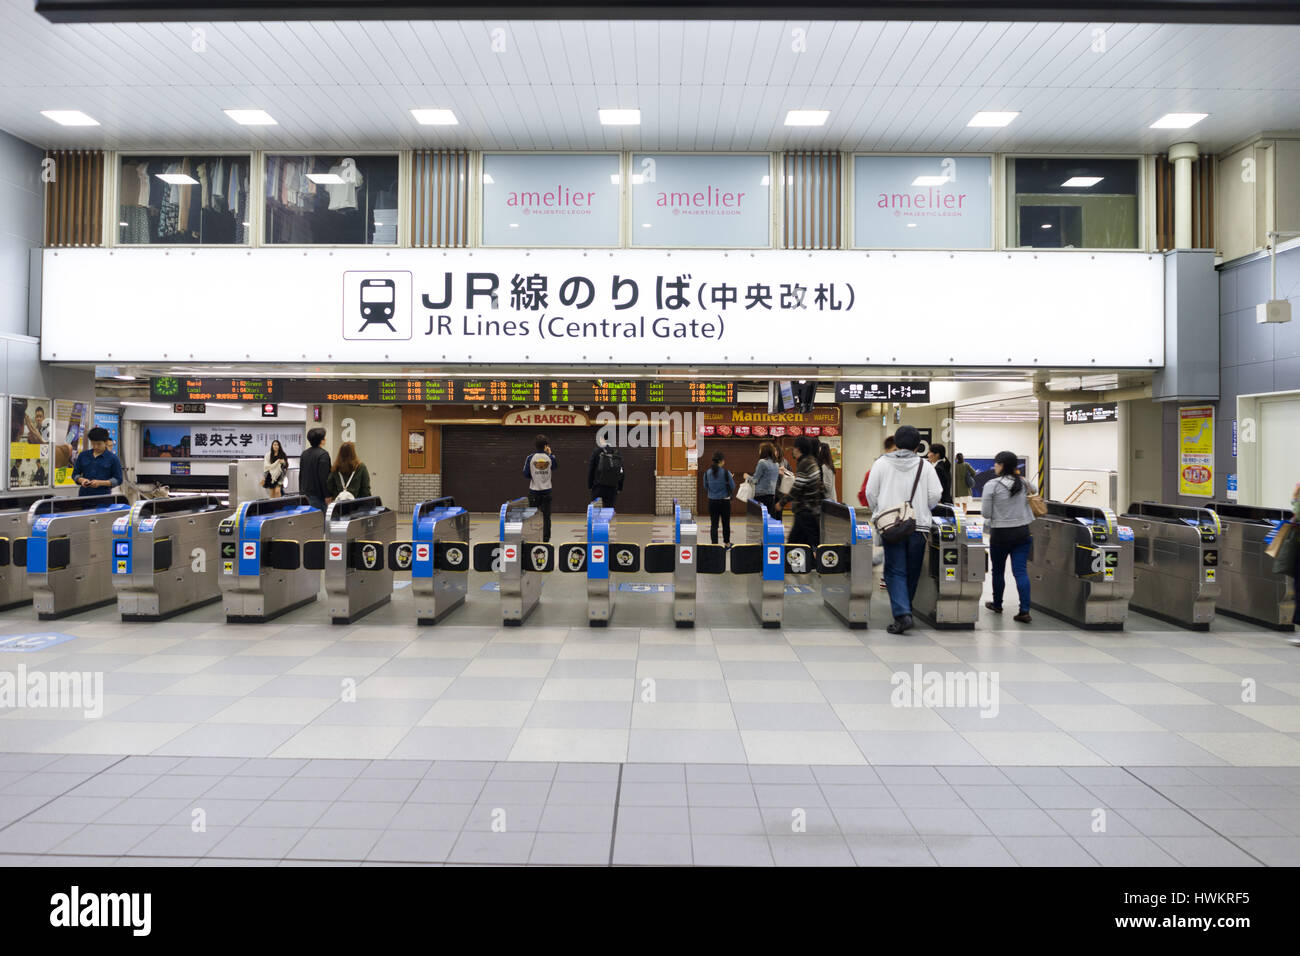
(755, 422)
(533, 417)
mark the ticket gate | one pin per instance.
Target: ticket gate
(165, 557)
(600, 598)
(521, 585)
(1248, 588)
(357, 579)
(1175, 562)
(847, 594)
(68, 553)
(767, 585)
(262, 571)
(951, 586)
(14, 508)
(439, 586)
(686, 535)
(1081, 566)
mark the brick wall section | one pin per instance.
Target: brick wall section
(668, 487)
(412, 489)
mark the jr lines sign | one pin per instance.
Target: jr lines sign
(627, 306)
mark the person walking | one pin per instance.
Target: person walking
(806, 494)
(898, 478)
(1007, 516)
(719, 484)
(349, 478)
(827, 465)
(938, 456)
(97, 470)
(766, 474)
(539, 469)
(314, 469)
(275, 469)
(963, 480)
(605, 473)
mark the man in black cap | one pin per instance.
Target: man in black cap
(97, 470)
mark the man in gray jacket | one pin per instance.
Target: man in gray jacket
(893, 476)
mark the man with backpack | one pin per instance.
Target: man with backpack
(605, 473)
(901, 490)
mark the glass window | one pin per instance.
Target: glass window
(1072, 203)
(331, 200)
(698, 201)
(922, 202)
(561, 199)
(183, 199)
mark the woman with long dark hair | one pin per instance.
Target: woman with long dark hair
(1007, 516)
(349, 477)
(719, 484)
(275, 467)
(766, 474)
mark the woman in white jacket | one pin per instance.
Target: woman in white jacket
(276, 469)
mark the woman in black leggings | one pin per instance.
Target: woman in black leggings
(719, 484)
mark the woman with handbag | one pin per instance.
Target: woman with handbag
(1007, 514)
(765, 476)
(275, 470)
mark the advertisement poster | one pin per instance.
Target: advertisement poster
(110, 422)
(31, 432)
(1196, 451)
(71, 422)
(223, 441)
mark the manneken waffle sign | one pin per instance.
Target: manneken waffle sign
(546, 306)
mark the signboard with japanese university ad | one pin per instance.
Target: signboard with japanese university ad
(31, 433)
(1196, 451)
(224, 441)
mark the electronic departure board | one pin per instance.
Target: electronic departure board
(182, 389)
(463, 391)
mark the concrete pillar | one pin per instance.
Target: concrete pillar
(1182, 155)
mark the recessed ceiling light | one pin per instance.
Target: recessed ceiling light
(929, 180)
(806, 117)
(125, 378)
(992, 118)
(911, 225)
(435, 117)
(124, 224)
(69, 117)
(487, 178)
(645, 225)
(1178, 120)
(1082, 182)
(1046, 225)
(620, 117)
(177, 179)
(251, 117)
(326, 179)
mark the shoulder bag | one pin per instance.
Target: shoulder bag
(346, 495)
(898, 522)
(1037, 504)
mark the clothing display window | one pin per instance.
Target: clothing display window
(183, 200)
(1072, 203)
(331, 200)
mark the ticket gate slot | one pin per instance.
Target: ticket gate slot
(521, 585)
(1175, 562)
(69, 549)
(357, 537)
(1248, 588)
(1081, 566)
(438, 558)
(14, 524)
(951, 585)
(263, 574)
(165, 556)
(846, 581)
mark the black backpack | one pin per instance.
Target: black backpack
(609, 467)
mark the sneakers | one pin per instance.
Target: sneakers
(995, 608)
(1023, 617)
(900, 625)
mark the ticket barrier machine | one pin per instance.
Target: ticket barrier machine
(684, 558)
(848, 594)
(357, 579)
(600, 521)
(1175, 562)
(951, 586)
(164, 560)
(1081, 566)
(767, 584)
(439, 555)
(69, 549)
(1248, 588)
(263, 574)
(513, 556)
(14, 524)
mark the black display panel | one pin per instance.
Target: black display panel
(1100, 412)
(882, 392)
(186, 389)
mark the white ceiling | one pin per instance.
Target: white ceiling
(699, 85)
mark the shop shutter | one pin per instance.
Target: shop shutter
(74, 198)
(812, 191)
(440, 181)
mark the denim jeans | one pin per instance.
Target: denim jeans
(1019, 554)
(903, 562)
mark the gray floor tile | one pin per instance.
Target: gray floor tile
(335, 844)
(576, 818)
(431, 816)
(973, 776)
(1127, 851)
(731, 850)
(1046, 851)
(1031, 822)
(657, 849)
(1273, 851)
(726, 820)
(1242, 823)
(411, 846)
(994, 797)
(651, 820)
(285, 813)
(833, 775)
(264, 843)
(969, 850)
(945, 821)
(810, 849)
(358, 816)
(1166, 821)
(571, 849)
(878, 821)
(1204, 851)
(889, 850)
(926, 796)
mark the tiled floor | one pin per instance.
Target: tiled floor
(383, 741)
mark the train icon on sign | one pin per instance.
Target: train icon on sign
(377, 306)
(378, 298)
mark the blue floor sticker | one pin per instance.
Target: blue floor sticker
(491, 586)
(798, 589)
(26, 643)
(645, 587)
(398, 585)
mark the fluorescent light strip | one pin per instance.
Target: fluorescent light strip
(929, 180)
(1178, 120)
(1082, 182)
(435, 117)
(326, 179)
(993, 118)
(251, 117)
(620, 117)
(69, 117)
(806, 117)
(177, 179)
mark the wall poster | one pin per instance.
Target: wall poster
(31, 432)
(71, 422)
(1196, 451)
